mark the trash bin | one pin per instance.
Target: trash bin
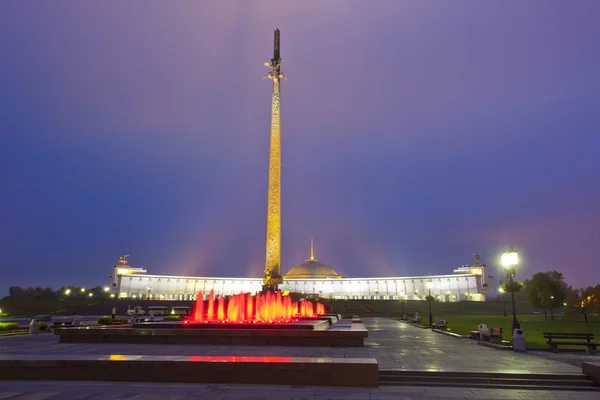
(34, 326)
(519, 341)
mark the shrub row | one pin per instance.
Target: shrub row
(109, 320)
(8, 326)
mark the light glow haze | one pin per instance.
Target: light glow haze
(414, 134)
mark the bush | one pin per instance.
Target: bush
(43, 326)
(4, 315)
(172, 317)
(8, 326)
(109, 320)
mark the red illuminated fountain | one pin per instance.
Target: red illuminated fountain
(247, 308)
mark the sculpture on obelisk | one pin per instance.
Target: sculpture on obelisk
(273, 258)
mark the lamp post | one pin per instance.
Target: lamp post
(501, 290)
(510, 259)
(429, 298)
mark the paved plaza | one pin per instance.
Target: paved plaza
(394, 344)
(171, 391)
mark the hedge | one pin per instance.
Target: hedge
(8, 326)
(109, 320)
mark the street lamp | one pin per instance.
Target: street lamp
(82, 290)
(67, 292)
(510, 259)
(429, 286)
(501, 290)
(90, 294)
(106, 288)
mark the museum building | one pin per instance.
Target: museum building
(465, 283)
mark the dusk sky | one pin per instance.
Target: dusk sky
(414, 134)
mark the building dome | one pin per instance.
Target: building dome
(311, 269)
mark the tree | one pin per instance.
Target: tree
(16, 293)
(547, 291)
(589, 300)
(572, 302)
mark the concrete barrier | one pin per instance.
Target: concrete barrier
(195, 369)
(592, 370)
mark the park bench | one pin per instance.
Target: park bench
(443, 324)
(496, 335)
(483, 333)
(570, 339)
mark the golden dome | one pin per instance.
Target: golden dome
(311, 269)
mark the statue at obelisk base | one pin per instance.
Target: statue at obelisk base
(273, 255)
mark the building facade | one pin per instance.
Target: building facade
(466, 283)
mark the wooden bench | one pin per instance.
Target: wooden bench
(480, 335)
(570, 339)
(488, 336)
(496, 335)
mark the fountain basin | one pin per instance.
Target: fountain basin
(313, 325)
(344, 335)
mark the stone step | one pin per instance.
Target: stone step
(511, 375)
(487, 380)
(490, 386)
(192, 369)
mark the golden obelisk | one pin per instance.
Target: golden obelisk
(273, 258)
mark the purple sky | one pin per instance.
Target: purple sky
(414, 135)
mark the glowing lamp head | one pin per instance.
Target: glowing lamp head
(429, 284)
(106, 288)
(510, 258)
(68, 292)
(82, 290)
(501, 290)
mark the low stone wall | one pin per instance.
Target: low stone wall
(592, 370)
(196, 369)
(351, 337)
